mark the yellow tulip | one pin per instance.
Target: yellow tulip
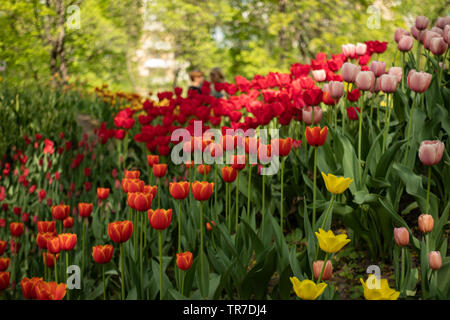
(336, 185)
(307, 289)
(330, 243)
(381, 293)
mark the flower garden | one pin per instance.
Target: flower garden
(331, 181)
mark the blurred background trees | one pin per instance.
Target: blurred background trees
(152, 44)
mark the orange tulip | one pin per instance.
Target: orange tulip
(201, 169)
(102, 254)
(67, 241)
(281, 147)
(179, 190)
(426, 223)
(47, 227)
(60, 212)
(28, 286)
(184, 260)
(202, 190)
(160, 219)
(2, 246)
(139, 201)
(151, 190)
(16, 228)
(43, 238)
(209, 226)
(316, 136)
(4, 280)
(50, 290)
(229, 174)
(327, 272)
(53, 245)
(49, 259)
(4, 264)
(120, 231)
(152, 159)
(132, 174)
(159, 170)
(132, 185)
(102, 193)
(85, 209)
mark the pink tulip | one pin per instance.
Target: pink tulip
(365, 80)
(361, 49)
(307, 115)
(388, 83)
(405, 43)
(401, 236)
(378, 68)
(426, 223)
(415, 32)
(349, 50)
(349, 71)
(377, 85)
(418, 81)
(441, 22)
(421, 22)
(336, 89)
(438, 30)
(399, 32)
(397, 72)
(435, 260)
(438, 46)
(428, 35)
(319, 75)
(327, 272)
(431, 152)
(447, 33)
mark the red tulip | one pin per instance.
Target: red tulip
(184, 260)
(53, 245)
(60, 212)
(68, 222)
(28, 286)
(151, 190)
(47, 227)
(50, 290)
(102, 193)
(85, 209)
(316, 136)
(179, 190)
(202, 190)
(43, 238)
(160, 219)
(132, 185)
(2, 247)
(353, 113)
(238, 161)
(4, 264)
(49, 259)
(229, 174)
(102, 254)
(201, 169)
(120, 231)
(251, 145)
(159, 170)
(4, 280)
(67, 241)
(132, 174)
(140, 201)
(17, 210)
(16, 228)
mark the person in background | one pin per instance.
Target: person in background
(217, 78)
(197, 79)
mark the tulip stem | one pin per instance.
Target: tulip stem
(227, 214)
(428, 191)
(403, 71)
(360, 138)
(215, 191)
(122, 271)
(84, 245)
(160, 265)
(386, 129)
(159, 193)
(237, 201)
(314, 188)
(140, 250)
(408, 132)
(282, 199)
(179, 226)
(67, 268)
(248, 187)
(333, 196)
(56, 270)
(201, 243)
(263, 202)
(402, 275)
(323, 266)
(103, 278)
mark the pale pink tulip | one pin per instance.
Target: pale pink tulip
(435, 260)
(421, 22)
(349, 71)
(307, 115)
(431, 152)
(388, 83)
(405, 43)
(419, 81)
(365, 80)
(378, 67)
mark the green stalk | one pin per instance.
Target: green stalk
(360, 138)
(67, 267)
(314, 189)
(215, 191)
(122, 271)
(428, 191)
(323, 267)
(103, 277)
(402, 275)
(140, 250)
(282, 198)
(201, 242)
(179, 226)
(227, 218)
(182, 283)
(248, 187)
(159, 193)
(263, 202)
(408, 132)
(237, 201)
(333, 196)
(386, 128)
(160, 264)
(403, 66)
(84, 246)
(56, 270)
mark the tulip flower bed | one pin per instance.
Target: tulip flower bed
(301, 168)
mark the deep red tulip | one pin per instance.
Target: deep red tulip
(201, 169)
(68, 222)
(16, 228)
(49, 259)
(120, 231)
(184, 260)
(2, 247)
(179, 190)
(67, 241)
(17, 210)
(159, 170)
(85, 209)
(60, 212)
(47, 226)
(4, 280)
(140, 201)
(238, 161)
(102, 193)
(4, 264)
(102, 254)
(316, 136)
(43, 238)
(160, 219)
(229, 174)
(28, 286)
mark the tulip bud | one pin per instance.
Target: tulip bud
(378, 68)
(419, 81)
(361, 49)
(431, 152)
(365, 80)
(327, 272)
(349, 72)
(426, 223)
(405, 43)
(319, 75)
(336, 89)
(438, 46)
(397, 72)
(399, 33)
(184, 260)
(435, 260)
(421, 22)
(388, 83)
(349, 50)
(307, 115)
(401, 236)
